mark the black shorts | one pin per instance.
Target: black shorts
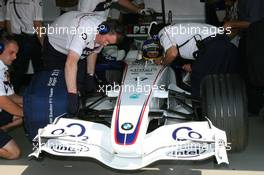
(4, 138)
(5, 118)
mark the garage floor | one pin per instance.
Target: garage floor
(251, 161)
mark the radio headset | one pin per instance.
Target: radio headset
(103, 29)
(2, 45)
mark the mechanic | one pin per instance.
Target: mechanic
(101, 7)
(11, 111)
(212, 7)
(23, 16)
(248, 12)
(2, 14)
(249, 26)
(131, 18)
(211, 51)
(63, 50)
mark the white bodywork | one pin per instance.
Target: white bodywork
(126, 144)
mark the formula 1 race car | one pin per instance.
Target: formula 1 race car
(148, 118)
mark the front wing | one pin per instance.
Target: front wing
(182, 141)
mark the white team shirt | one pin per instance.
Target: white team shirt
(2, 10)
(76, 31)
(101, 7)
(176, 35)
(28, 10)
(6, 88)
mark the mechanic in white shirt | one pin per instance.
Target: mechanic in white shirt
(11, 110)
(84, 34)
(207, 45)
(23, 16)
(2, 14)
(101, 7)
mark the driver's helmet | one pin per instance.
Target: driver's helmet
(152, 50)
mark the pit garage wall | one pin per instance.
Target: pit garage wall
(182, 10)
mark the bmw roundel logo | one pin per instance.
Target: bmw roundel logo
(127, 126)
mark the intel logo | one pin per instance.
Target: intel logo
(69, 148)
(127, 126)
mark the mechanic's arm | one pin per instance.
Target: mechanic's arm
(91, 62)
(232, 28)
(130, 6)
(236, 24)
(17, 99)
(9, 106)
(38, 27)
(71, 71)
(170, 55)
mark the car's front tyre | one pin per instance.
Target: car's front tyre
(224, 102)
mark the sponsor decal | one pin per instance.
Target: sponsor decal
(143, 69)
(58, 132)
(143, 29)
(189, 150)
(134, 96)
(186, 132)
(68, 148)
(80, 127)
(84, 36)
(127, 126)
(140, 78)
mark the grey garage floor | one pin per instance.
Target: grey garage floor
(251, 161)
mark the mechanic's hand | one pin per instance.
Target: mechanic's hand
(158, 61)
(73, 104)
(187, 67)
(228, 26)
(146, 11)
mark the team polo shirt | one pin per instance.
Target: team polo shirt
(101, 7)
(250, 10)
(75, 31)
(178, 34)
(6, 87)
(28, 10)
(2, 10)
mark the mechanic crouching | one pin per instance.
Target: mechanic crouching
(207, 45)
(68, 50)
(11, 111)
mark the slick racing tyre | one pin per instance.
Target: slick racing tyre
(224, 102)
